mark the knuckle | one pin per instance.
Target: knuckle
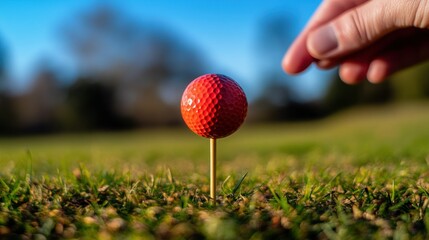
(363, 25)
(354, 29)
(421, 14)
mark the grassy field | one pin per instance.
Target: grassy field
(361, 174)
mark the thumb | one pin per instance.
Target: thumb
(365, 24)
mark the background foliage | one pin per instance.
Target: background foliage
(131, 74)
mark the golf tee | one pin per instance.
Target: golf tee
(213, 170)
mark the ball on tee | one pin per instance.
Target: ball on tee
(213, 106)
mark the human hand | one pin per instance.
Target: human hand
(367, 39)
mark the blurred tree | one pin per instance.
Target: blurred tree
(147, 68)
(37, 108)
(275, 93)
(7, 112)
(273, 36)
(90, 105)
(3, 70)
(340, 95)
(278, 99)
(3, 65)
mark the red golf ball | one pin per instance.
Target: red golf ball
(213, 106)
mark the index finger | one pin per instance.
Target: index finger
(297, 58)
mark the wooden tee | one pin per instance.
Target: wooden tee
(213, 170)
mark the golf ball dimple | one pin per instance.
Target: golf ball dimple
(213, 106)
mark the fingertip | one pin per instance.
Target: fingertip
(377, 71)
(295, 62)
(288, 65)
(352, 73)
(297, 58)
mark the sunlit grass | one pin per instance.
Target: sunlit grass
(360, 174)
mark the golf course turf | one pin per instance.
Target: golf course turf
(361, 174)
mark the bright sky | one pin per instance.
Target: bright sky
(225, 31)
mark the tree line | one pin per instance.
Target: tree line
(131, 75)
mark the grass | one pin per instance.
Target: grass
(361, 174)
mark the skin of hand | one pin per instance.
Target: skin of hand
(367, 38)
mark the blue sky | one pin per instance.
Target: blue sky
(224, 30)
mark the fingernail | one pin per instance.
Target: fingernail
(322, 41)
(377, 71)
